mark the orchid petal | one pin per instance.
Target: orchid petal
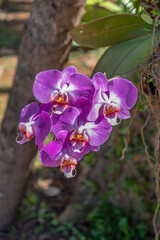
(47, 107)
(45, 83)
(94, 112)
(28, 112)
(42, 127)
(50, 154)
(66, 73)
(100, 81)
(80, 86)
(66, 120)
(124, 90)
(98, 133)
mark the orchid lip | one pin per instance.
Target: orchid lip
(60, 101)
(59, 108)
(27, 131)
(59, 97)
(68, 165)
(78, 140)
(110, 110)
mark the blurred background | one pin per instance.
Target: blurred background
(113, 194)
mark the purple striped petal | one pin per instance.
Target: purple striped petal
(100, 81)
(29, 111)
(98, 133)
(45, 83)
(65, 121)
(50, 154)
(42, 127)
(47, 107)
(66, 73)
(94, 112)
(80, 86)
(124, 90)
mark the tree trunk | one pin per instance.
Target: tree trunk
(45, 45)
(3, 4)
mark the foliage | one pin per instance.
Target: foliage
(128, 35)
(124, 57)
(106, 222)
(103, 222)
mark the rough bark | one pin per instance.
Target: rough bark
(45, 45)
(3, 4)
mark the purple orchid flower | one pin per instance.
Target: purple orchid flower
(112, 99)
(59, 153)
(33, 123)
(83, 135)
(62, 88)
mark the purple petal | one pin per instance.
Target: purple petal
(79, 156)
(94, 112)
(124, 90)
(69, 115)
(50, 154)
(54, 119)
(66, 120)
(47, 107)
(29, 111)
(95, 149)
(84, 105)
(66, 73)
(100, 81)
(42, 127)
(80, 86)
(45, 83)
(124, 113)
(61, 136)
(98, 133)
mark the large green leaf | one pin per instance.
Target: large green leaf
(109, 30)
(95, 12)
(124, 57)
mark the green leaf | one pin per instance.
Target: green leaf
(95, 12)
(147, 18)
(155, 13)
(124, 57)
(150, 80)
(109, 30)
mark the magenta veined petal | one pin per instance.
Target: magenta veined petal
(100, 81)
(80, 86)
(124, 90)
(94, 112)
(65, 121)
(97, 133)
(29, 111)
(45, 83)
(42, 127)
(66, 73)
(50, 154)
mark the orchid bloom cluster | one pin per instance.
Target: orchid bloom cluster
(79, 111)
